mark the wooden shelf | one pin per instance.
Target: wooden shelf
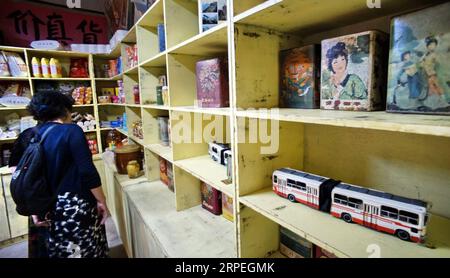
(12, 108)
(340, 238)
(211, 42)
(83, 105)
(122, 131)
(106, 128)
(8, 139)
(5, 170)
(133, 70)
(153, 16)
(302, 17)
(13, 78)
(112, 104)
(190, 233)
(134, 105)
(61, 79)
(155, 106)
(157, 61)
(89, 131)
(226, 111)
(56, 53)
(417, 124)
(130, 37)
(136, 139)
(209, 171)
(163, 151)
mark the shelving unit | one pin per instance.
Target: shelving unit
(406, 155)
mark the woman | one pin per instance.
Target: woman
(76, 223)
(343, 86)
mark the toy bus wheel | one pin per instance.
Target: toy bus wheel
(347, 217)
(291, 198)
(403, 235)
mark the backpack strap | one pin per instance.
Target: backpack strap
(46, 134)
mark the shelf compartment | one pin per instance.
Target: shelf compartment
(148, 81)
(133, 70)
(162, 151)
(182, 78)
(209, 171)
(340, 238)
(211, 42)
(153, 16)
(159, 60)
(283, 15)
(416, 124)
(190, 233)
(129, 81)
(181, 21)
(242, 6)
(147, 31)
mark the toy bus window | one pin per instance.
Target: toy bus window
(409, 217)
(291, 183)
(301, 186)
(340, 199)
(389, 212)
(275, 179)
(355, 203)
(214, 149)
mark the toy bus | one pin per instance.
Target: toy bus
(404, 217)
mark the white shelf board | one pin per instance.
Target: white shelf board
(340, 238)
(190, 233)
(417, 124)
(207, 170)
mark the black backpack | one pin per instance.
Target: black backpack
(29, 187)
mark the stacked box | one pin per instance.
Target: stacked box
(294, 246)
(227, 207)
(353, 72)
(211, 199)
(300, 77)
(212, 83)
(419, 71)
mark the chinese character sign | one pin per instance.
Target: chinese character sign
(22, 23)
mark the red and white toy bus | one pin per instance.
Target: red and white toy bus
(404, 217)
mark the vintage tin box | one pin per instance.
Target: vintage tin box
(419, 67)
(211, 199)
(300, 77)
(227, 207)
(353, 72)
(212, 83)
(294, 246)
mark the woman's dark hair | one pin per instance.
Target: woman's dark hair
(404, 55)
(50, 105)
(429, 40)
(333, 53)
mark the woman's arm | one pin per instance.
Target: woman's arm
(101, 203)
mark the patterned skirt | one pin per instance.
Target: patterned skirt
(75, 230)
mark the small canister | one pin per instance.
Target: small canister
(163, 123)
(133, 169)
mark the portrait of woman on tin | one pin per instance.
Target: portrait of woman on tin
(341, 84)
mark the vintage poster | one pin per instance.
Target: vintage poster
(419, 72)
(300, 78)
(352, 72)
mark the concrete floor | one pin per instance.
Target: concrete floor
(116, 250)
